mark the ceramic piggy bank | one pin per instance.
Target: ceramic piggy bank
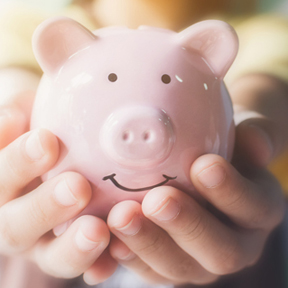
(134, 108)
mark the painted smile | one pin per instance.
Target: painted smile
(114, 181)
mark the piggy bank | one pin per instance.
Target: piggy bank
(134, 108)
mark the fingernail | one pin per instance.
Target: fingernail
(212, 176)
(33, 146)
(167, 211)
(63, 194)
(60, 229)
(127, 256)
(132, 228)
(89, 279)
(83, 243)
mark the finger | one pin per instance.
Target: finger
(17, 93)
(130, 260)
(13, 123)
(254, 204)
(24, 220)
(217, 247)
(258, 141)
(252, 96)
(101, 270)
(153, 245)
(75, 251)
(29, 156)
(13, 82)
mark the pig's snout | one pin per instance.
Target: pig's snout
(138, 137)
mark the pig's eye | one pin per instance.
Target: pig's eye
(166, 79)
(112, 77)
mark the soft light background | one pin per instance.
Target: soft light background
(49, 5)
(54, 5)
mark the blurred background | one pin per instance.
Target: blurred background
(54, 5)
(50, 5)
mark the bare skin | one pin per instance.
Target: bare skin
(148, 238)
(184, 236)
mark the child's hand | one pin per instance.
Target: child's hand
(26, 219)
(173, 239)
(29, 209)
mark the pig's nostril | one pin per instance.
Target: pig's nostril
(147, 136)
(127, 136)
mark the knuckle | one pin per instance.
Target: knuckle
(193, 229)
(269, 215)
(185, 271)
(10, 241)
(13, 168)
(37, 213)
(237, 200)
(230, 261)
(182, 270)
(143, 269)
(152, 246)
(264, 218)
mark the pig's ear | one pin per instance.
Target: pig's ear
(57, 39)
(215, 41)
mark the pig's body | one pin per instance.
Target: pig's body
(132, 108)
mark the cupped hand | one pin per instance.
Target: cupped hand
(171, 238)
(26, 219)
(29, 209)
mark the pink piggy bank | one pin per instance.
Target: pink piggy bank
(134, 108)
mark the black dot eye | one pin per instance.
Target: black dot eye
(166, 79)
(112, 77)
